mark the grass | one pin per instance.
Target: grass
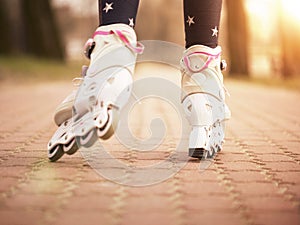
(30, 69)
(23, 69)
(276, 82)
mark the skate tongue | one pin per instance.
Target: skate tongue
(136, 48)
(139, 48)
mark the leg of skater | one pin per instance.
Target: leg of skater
(118, 11)
(202, 19)
(203, 96)
(112, 52)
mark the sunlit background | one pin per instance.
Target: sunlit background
(272, 31)
(263, 19)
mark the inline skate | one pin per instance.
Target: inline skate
(91, 112)
(203, 99)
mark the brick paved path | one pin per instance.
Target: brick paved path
(255, 179)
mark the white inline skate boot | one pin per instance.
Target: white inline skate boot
(91, 112)
(203, 99)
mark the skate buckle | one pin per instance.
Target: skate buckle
(89, 47)
(223, 65)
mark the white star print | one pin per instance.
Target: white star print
(190, 20)
(131, 23)
(215, 31)
(108, 7)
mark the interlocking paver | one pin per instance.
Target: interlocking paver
(19, 217)
(278, 218)
(254, 180)
(267, 204)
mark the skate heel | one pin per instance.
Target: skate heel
(207, 115)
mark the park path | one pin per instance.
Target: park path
(254, 180)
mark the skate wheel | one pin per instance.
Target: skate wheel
(109, 129)
(87, 140)
(211, 153)
(196, 152)
(71, 147)
(56, 153)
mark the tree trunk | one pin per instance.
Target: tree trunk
(12, 40)
(290, 46)
(30, 29)
(5, 43)
(237, 38)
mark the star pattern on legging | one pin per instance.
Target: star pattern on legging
(131, 22)
(108, 6)
(190, 20)
(215, 31)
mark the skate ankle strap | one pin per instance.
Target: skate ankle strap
(137, 48)
(210, 58)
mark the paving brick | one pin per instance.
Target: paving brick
(148, 204)
(208, 203)
(92, 188)
(246, 176)
(198, 175)
(257, 189)
(43, 187)
(30, 202)
(274, 158)
(238, 166)
(254, 180)
(91, 217)
(52, 173)
(265, 149)
(229, 157)
(290, 177)
(8, 145)
(148, 218)
(91, 175)
(16, 161)
(8, 182)
(212, 218)
(162, 189)
(275, 218)
(20, 217)
(15, 171)
(283, 166)
(92, 202)
(268, 204)
(295, 189)
(203, 188)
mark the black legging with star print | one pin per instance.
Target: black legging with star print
(202, 18)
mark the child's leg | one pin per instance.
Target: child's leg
(203, 96)
(118, 11)
(202, 19)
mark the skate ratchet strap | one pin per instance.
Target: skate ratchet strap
(88, 47)
(210, 58)
(138, 48)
